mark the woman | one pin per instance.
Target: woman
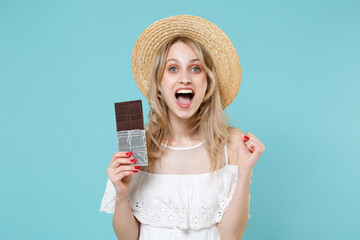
(197, 183)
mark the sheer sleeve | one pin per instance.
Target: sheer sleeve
(109, 198)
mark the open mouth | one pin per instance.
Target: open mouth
(184, 96)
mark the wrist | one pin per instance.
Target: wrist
(120, 198)
(245, 173)
(245, 170)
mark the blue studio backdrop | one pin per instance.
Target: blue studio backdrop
(63, 64)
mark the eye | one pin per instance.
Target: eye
(172, 69)
(196, 69)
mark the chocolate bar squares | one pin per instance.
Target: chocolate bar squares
(130, 130)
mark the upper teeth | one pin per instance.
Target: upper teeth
(185, 91)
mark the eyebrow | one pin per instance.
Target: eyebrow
(175, 60)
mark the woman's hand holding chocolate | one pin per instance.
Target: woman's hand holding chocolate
(120, 171)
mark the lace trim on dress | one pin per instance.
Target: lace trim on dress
(202, 211)
(183, 218)
(109, 199)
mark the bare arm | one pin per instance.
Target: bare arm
(244, 153)
(120, 171)
(125, 225)
(235, 219)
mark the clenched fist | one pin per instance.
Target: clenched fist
(249, 151)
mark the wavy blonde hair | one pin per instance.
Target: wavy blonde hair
(210, 120)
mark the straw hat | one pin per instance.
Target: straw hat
(219, 46)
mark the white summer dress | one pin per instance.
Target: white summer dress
(181, 199)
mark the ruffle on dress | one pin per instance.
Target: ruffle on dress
(183, 201)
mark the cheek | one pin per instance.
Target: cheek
(162, 84)
(165, 89)
(203, 84)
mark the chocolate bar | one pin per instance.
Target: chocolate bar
(129, 115)
(130, 130)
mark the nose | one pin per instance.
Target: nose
(185, 78)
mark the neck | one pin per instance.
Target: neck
(180, 136)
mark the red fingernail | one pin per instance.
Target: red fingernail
(135, 171)
(246, 137)
(137, 167)
(133, 160)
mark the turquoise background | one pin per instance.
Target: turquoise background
(64, 63)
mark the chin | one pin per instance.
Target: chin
(186, 114)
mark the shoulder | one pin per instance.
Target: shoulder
(235, 135)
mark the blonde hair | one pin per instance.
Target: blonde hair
(209, 121)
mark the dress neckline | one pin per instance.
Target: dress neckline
(183, 148)
(231, 166)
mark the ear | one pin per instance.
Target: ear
(159, 89)
(159, 94)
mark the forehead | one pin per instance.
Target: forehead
(181, 50)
